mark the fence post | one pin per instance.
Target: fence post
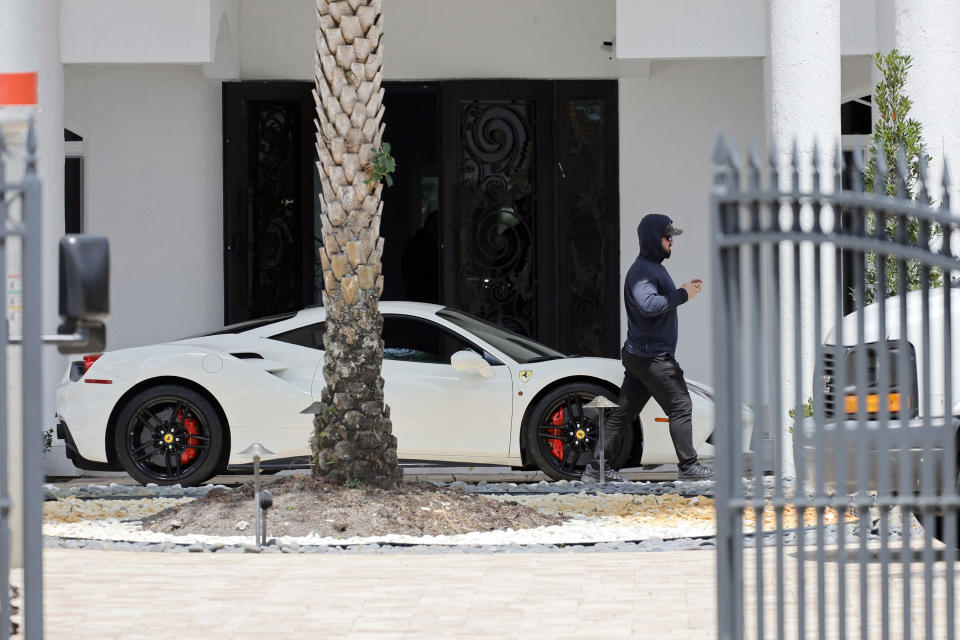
(32, 452)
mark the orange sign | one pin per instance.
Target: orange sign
(18, 89)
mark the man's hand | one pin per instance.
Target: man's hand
(693, 287)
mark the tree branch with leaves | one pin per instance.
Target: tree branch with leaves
(894, 132)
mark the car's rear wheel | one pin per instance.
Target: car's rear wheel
(169, 434)
(561, 433)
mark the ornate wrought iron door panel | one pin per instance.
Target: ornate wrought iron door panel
(588, 224)
(587, 213)
(268, 208)
(498, 207)
(271, 260)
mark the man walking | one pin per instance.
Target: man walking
(651, 299)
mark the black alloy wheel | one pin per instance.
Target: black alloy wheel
(169, 435)
(561, 433)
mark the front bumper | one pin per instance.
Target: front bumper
(73, 454)
(836, 453)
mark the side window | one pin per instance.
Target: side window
(415, 340)
(310, 336)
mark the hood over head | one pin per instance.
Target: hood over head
(650, 232)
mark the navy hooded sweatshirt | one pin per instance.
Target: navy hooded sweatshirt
(649, 294)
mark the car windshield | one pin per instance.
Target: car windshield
(522, 349)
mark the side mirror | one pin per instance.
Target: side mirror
(84, 291)
(467, 360)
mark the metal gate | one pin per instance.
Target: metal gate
(834, 550)
(26, 228)
(84, 306)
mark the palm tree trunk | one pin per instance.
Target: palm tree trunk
(352, 439)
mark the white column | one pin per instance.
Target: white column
(19, 55)
(51, 170)
(929, 32)
(802, 92)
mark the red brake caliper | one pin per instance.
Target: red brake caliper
(191, 426)
(555, 444)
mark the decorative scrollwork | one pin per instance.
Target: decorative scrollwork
(273, 247)
(498, 207)
(586, 159)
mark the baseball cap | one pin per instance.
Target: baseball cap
(672, 230)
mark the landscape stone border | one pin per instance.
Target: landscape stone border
(678, 487)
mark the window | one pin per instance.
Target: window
(310, 336)
(73, 182)
(414, 340)
(856, 117)
(856, 127)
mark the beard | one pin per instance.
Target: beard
(666, 253)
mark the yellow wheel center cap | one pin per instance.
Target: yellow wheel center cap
(168, 438)
(581, 434)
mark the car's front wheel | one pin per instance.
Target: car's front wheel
(169, 434)
(561, 433)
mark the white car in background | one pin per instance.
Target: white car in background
(460, 390)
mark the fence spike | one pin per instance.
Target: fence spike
(901, 173)
(753, 167)
(838, 166)
(880, 174)
(719, 157)
(815, 165)
(856, 171)
(31, 148)
(734, 159)
(923, 195)
(773, 161)
(945, 199)
(794, 165)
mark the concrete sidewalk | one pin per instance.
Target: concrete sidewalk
(576, 595)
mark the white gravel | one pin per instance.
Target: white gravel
(606, 528)
(579, 530)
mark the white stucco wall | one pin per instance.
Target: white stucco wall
(668, 124)
(136, 31)
(926, 30)
(684, 29)
(427, 39)
(153, 179)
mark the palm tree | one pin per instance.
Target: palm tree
(352, 439)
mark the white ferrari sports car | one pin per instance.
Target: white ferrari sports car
(460, 390)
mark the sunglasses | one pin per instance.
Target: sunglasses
(668, 238)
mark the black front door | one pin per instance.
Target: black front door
(498, 203)
(268, 202)
(504, 203)
(530, 208)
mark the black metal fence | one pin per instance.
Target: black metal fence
(20, 220)
(835, 550)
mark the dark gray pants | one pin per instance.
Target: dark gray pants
(659, 377)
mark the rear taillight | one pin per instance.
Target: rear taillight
(89, 360)
(79, 367)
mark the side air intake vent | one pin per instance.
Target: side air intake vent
(247, 356)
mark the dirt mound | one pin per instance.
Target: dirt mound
(303, 505)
